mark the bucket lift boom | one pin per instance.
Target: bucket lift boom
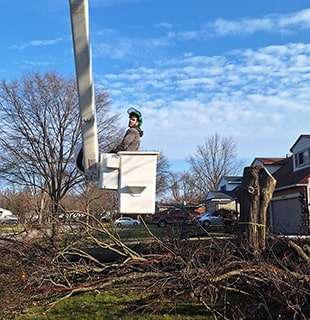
(85, 85)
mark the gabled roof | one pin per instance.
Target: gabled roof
(286, 176)
(232, 178)
(270, 161)
(301, 136)
(218, 195)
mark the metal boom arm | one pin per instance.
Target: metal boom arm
(84, 77)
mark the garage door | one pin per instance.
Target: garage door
(287, 216)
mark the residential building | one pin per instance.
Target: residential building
(221, 200)
(229, 183)
(224, 197)
(290, 204)
(271, 164)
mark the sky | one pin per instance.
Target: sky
(194, 67)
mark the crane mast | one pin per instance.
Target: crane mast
(85, 85)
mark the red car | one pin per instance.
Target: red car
(173, 216)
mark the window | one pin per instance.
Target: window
(306, 156)
(296, 160)
(302, 158)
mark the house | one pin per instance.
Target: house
(221, 200)
(224, 197)
(271, 164)
(229, 183)
(290, 204)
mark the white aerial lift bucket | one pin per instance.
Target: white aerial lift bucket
(133, 175)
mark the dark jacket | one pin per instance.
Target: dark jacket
(131, 140)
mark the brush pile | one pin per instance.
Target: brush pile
(221, 275)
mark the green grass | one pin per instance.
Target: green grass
(6, 228)
(177, 231)
(113, 305)
(139, 232)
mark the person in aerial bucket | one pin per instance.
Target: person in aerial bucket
(131, 140)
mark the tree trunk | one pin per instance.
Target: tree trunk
(249, 205)
(54, 217)
(267, 185)
(256, 192)
(42, 205)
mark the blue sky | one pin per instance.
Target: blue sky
(196, 67)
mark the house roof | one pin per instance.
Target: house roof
(286, 176)
(270, 161)
(301, 136)
(216, 195)
(233, 178)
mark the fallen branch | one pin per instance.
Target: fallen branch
(109, 283)
(299, 251)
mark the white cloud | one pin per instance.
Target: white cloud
(26, 64)
(223, 27)
(164, 25)
(104, 32)
(122, 47)
(153, 42)
(259, 97)
(120, 51)
(37, 43)
(184, 35)
(276, 23)
(134, 46)
(117, 46)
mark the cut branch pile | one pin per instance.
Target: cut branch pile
(228, 280)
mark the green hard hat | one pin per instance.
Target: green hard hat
(137, 113)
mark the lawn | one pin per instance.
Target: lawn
(176, 231)
(114, 305)
(6, 228)
(136, 238)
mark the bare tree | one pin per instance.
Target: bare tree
(162, 174)
(88, 198)
(182, 188)
(20, 203)
(39, 133)
(214, 159)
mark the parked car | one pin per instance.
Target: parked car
(210, 219)
(9, 219)
(126, 222)
(5, 212)
(171, 216)
(220, 218)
